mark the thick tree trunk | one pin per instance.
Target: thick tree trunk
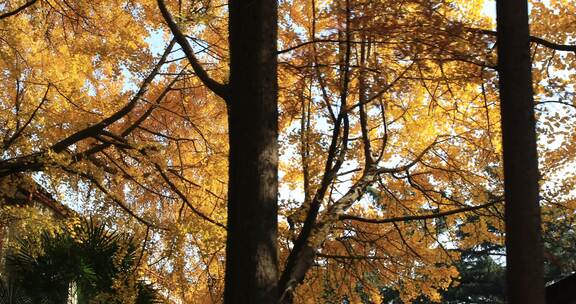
(251, 253)
(524, 257)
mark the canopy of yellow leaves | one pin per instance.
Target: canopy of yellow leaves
(420, 97)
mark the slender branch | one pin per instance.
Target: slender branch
(111, 196)
(348, 217)
(144, 243)
(37, 160)
(320, 40)
(409, 165)
(559, 101)
(216, 87)
(406, 243)
(94, 129)
(302, 255)
(366, 144)
(18, 132)
(136, 124)
(18, 9)
(185, 199)
(553, 45)
(541, 41)
(350, 257)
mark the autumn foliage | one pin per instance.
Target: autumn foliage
(390, 140)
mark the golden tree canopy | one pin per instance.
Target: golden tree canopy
(389, 130)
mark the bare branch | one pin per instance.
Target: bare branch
(541, 41)
(18, 9)
(216, 87)
(348, 217)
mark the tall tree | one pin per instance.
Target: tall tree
(252, 264)
(524, 256)
(252, 101)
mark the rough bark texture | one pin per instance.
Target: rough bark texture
(524, 257)
(251, 264)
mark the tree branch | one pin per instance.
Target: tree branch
(113, 197)
(216, 87)
(409, 218)
(18, 10)
(302, 255)
(547, 43)
(94, 129)
(185, 199)
(18, 132)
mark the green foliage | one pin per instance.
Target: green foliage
(100, 262)
(481, 281)
(560, 252)
(11, 293)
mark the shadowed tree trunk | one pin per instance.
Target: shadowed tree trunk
(251, 253)
(252, 100)
(524, 257)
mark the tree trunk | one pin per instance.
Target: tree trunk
(251, 252)
(524, 257)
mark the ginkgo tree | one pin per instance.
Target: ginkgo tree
(385, 114)
(92, 109)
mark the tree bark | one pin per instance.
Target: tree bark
(251, 252)
(524, 257)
